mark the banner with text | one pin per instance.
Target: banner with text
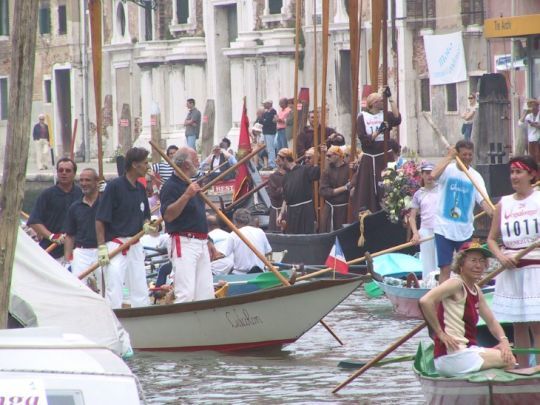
(445, 58)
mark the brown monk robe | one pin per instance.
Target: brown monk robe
(274, 188)
(365, 194)
(334, 188)
(299, 211)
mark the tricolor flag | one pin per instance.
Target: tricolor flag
(336, 259)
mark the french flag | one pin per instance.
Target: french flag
(336, 259)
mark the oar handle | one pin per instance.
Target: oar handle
(361, 259)
(475, 184)
(119, 249)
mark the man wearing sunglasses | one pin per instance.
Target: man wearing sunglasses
(49, 213)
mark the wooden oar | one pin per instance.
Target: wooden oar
(421, 326)
(246, 196)
(119, 249)
(361, 259)
(233, 227)
(262, 281)
(473, 181)
(362, 363)
(234, 167)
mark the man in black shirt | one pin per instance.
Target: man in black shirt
(80, 247)
(122, 212)
(49, 213)
(183, 210)
(269, 130)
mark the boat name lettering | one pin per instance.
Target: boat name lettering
(23, 400)
(242, 319)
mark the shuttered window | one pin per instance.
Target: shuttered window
(4, 17)
(274, 6)
(45, 20)
(425, 95)
(182, 11)
(3, 98)
(421, 14)
(472, 12)
(451, 97)
(62, 20)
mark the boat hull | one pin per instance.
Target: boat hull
(267, 318)
(404, 300)
(379, 234)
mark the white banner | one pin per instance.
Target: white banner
(445, 58)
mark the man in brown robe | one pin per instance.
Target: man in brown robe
(365, 192)
(274, 188)
(334, 188)
(304, 141)
(298, 208)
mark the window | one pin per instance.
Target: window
(44, 19)
(121, 19)
(4, 18)
(425, 95)
(62, 20)
(182, 11)
(421, 13)
(451, 97)
(274, 6)
(3, 98)
(47, 95)
(147, 24)
(472, 12)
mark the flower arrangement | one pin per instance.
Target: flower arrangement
(398, 187)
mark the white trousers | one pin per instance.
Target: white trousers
(428, 253)
(222, 266)
(42, 153)
(192, 275)
(128, 268)
(82, 259)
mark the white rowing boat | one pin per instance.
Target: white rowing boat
(271, 317)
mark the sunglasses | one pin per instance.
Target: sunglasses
(62, 170)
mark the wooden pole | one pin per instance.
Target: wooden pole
(73, 137)
(385, 75)
(325, 32)
(418, 328)
(376, 19)
(246, 196)
(21, 84)
(298, 22)
(474, 182)
(94, 8)
(315, 113)
(228, 222)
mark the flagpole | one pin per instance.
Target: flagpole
(315, 114)
(296, 63)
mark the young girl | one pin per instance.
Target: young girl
(425, 202)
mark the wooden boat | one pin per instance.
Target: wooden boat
(271, 317)
(492, 386)
(379, 234)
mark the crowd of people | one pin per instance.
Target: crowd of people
(82, 224)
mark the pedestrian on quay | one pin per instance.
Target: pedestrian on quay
(192, 124)
(452, 311)
(454, 221)
(424, 203)
(371, 127)
(42, 144)
(184, 213)
(123, 211)
(80, 246)
(530, 119)
(164, 169)
(468, 117)
(281, 123)
(49, 213)
(298, 210)
(517, 290)
(269, 129)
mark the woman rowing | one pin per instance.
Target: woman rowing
(517, 291)
(452, 310)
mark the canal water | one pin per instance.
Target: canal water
(302, 373)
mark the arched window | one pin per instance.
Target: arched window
(120, 19)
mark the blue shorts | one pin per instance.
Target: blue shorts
(446, 248)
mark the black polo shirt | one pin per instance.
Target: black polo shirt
(123, 208)
(193, 217)
(81, 223)
(269, 126)
(50, 210)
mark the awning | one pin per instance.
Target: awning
(518, 26)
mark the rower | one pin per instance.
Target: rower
(452, 310)
(184, 213)
(221, 263)
(123, 210)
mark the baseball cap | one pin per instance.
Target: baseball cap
(475, 246)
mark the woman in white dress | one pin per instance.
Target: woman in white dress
(517, 290)
(424, 202)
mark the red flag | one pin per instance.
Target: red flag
(241, 183)
(336, 259)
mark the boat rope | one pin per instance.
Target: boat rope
(361, 216)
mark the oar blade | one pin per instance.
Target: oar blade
(373, 290)
(268, 280)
